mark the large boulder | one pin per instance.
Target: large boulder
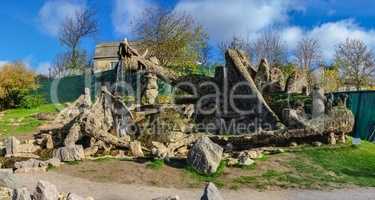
(45, 191)
(205, 156)
(69, 153)
(211, 193)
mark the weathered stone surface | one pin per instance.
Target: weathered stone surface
(318, 102)
(31, 165)
(205, 156)
(49, 142)
(159, 150)
(297, 83)
(54, 162)
(69, 153)
(136, 149)
(211, 193)
(73, 135)
(263, 75)
(45, 191)
(11, 145)
(6, 193)
(90, 151)
(276, 83)
(7, 179)
(245, 160)
(21, 194)
(72, 196)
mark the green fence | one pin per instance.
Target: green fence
(362, 104)
(68, 89)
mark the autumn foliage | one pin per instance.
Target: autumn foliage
(15, 82)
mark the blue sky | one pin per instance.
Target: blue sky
(29, 28)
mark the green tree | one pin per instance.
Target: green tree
(356, 63)
(15, 82)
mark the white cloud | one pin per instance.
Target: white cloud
(223, 19)
(125, 12)
(3, 62)
(330, 35)
(52, 14)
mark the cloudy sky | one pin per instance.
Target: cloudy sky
(29, 29)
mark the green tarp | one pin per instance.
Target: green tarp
(362, 104)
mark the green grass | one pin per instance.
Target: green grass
(316, 168)
(199, 178)
(156, 164)
(353, 164)
(21, 120)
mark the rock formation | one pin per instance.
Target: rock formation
(297, 83)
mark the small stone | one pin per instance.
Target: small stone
(245, 160)
(6, 193)
(332, 138)
(232, 161)
(293, 144)
(136, 149)
(317, 144)
(211, 193)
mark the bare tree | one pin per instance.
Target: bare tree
(269, 45)
(62, 62)
(73, 30)
(237, 43)
(308, 54)
(174, 38)
(356, 63)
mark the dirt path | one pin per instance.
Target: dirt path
(111, 191)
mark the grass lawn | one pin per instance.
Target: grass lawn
(315, 168)
(21, 121)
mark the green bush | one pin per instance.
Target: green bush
(32, 101)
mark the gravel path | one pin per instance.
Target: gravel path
(113, 191)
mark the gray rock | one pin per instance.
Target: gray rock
(205, 156)
(7, 179)
(69, 153)
(21, 194)
(45, 191)
(245, 160)
(211, 193)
